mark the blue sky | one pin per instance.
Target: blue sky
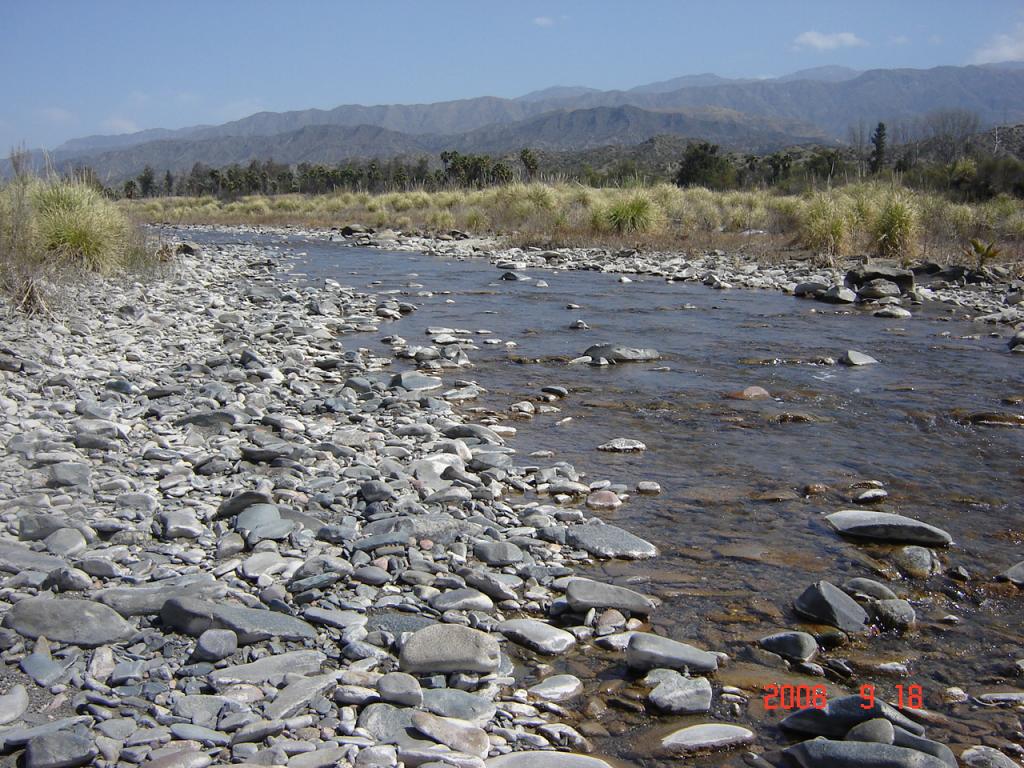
(77, 67)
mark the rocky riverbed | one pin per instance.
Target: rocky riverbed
(235, 536)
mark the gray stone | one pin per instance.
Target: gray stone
(916, 561)
(854, 358)
(296, 696)
(13, 704)
(206, 736)
(609, 541)
(147, 601)
(557, 688)
(622, 445)
(459, 735)
(269, 668)
(214, 645)
(869, 587)
(1015, 574)
(385, 722)
(616, 353)
(251, 625)
(537, 636)
(895, 614)
(442, 648)
(545, 760)
(66, 542)
(15, 558)
(400, 688)
(681, 695)
(704, 736)
(414, 380)
(64, 749)
(825, 603)
(76, 622)
(858, 754)
(884, 526)
(69, 474)
(498, 553)
(878, 730)
(797, 646)
(986, 757)
(646, 651)
(584, 594)
(465, 599)
(841, 714)
(452, 702)
(180, 524)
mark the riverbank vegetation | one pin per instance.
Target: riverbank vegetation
(53, 230)
(867, 218)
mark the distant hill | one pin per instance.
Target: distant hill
(830, 73)
(819, 104)
(557, 131)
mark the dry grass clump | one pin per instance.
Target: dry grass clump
(53, 230)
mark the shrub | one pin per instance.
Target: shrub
(826, 226)
(636, 213)
(79, 228)
(895, 230)
(441, 220)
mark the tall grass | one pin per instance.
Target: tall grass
(857, 219)
(52, 230)
(895, 230)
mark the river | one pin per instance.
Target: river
(739, 539)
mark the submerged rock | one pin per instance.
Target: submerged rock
(885, 526)
(616, 353)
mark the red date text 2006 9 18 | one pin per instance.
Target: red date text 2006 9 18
(786, 697)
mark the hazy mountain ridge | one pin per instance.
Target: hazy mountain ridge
(553, 131)
(755, 115)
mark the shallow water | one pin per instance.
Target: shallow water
(731, 563)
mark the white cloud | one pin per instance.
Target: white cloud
(899, 40)
(544, 21)
(57, 115)
(821, 41)
(1006, 47)
(119, 125)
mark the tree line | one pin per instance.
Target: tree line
(935, 153)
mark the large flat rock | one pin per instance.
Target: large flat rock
(77, 622)
(147, 601)
(269, 668)
(442, 648)
(646, 651)
(584, 594)
(609, 541)
(706, 736)
(252, 625)
(15, 558)
(885, 526)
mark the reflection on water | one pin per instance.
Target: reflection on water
(739, 538)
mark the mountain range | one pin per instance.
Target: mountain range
(815, 106)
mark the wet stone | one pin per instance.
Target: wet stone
(695, 738)
(825, 603)
(584, 594)
(646, 651)
(679, 695)
(797, 646)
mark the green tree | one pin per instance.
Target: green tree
(702, 166)
(878, 140)
(529, 161)
(146, 181)
(130, 189)
(168, 183)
